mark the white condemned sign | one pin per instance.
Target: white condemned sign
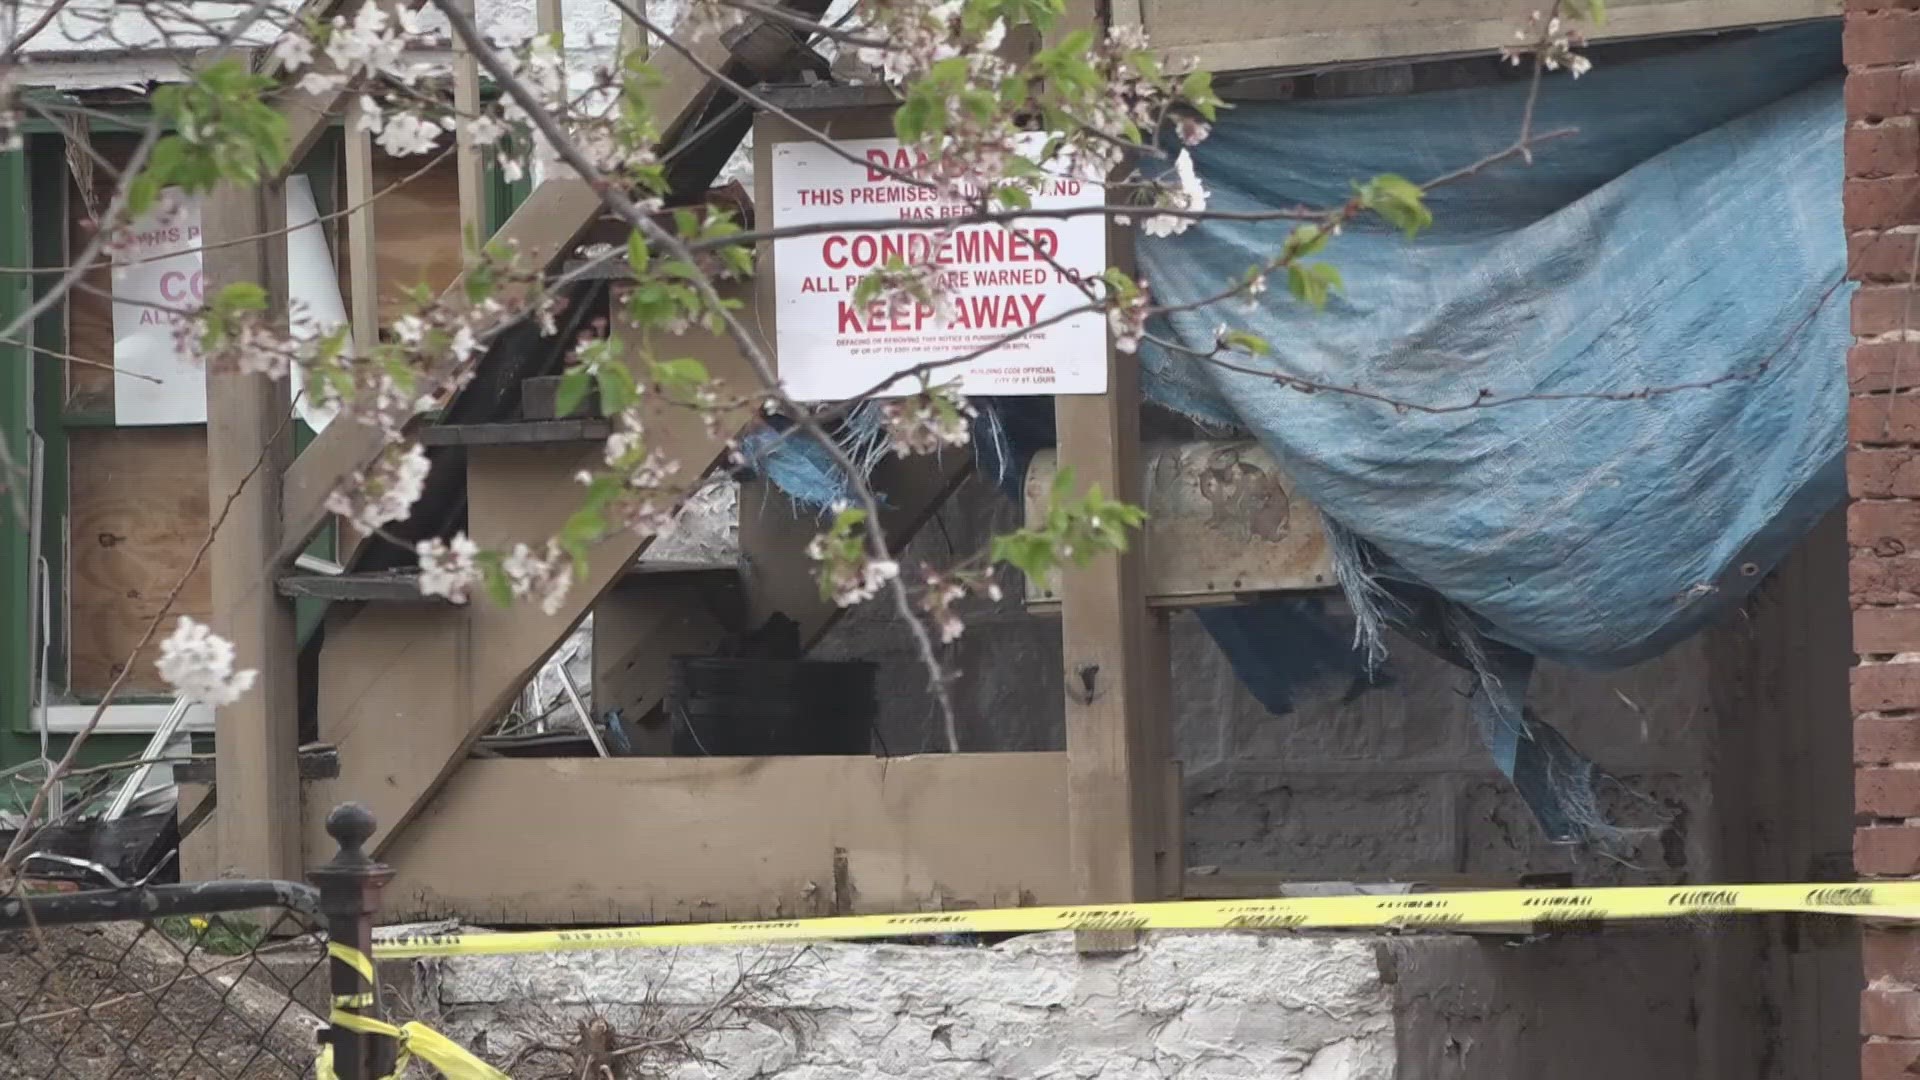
(1007, 286)
(158, 280)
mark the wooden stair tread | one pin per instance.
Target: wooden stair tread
(517, 432)
(403, 585)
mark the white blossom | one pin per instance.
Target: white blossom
(447, 568)
(321, 82)
(993, 36)
(198, 664)
(385, 494)
(547, 576)
(485, 130)
(925, 422)
(406, 134)
(371, 117)
(464, 344)
(293, 50)
(1191, 194)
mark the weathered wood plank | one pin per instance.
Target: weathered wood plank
(1223, 522)
(403, 586)
(316, 763)
(517, 433)
(1118, 738)
(363, 281)
(1251, 35)
(468, 163)
(249, 440)
(389, 586)
(634, 839)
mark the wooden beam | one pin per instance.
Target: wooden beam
(517, 432)
(1117, 718)
(1199, 546)
(404, 692)
(1254, 35)
(622, 840)
(308, 113)
(375, 586)
(249, 440)
(542, 229)
(363, 276)
(468, 165)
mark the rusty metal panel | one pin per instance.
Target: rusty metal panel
(1223, 522)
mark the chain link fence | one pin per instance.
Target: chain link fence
(221, 980)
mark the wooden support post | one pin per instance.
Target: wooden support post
(468, 166)
(249, 443)
(1118, 742)
(362, 273)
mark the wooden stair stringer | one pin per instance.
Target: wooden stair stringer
(405, 690)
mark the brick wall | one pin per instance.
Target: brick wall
(1883, 521)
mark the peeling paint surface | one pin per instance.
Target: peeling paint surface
(1182, 1006)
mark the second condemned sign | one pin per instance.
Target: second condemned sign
(999, 280)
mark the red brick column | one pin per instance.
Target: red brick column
(1883, 521)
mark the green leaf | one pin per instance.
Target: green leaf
(916, 117)
(498, 587)
(573, 390)
(617, 391)
(637, 254)
(1014, 197)
(1311, 282)
(683, 370)
(240, 296)
(1247, 343)
(739, 259)
(1197, 89)
(1306, 240)
(1399, 200)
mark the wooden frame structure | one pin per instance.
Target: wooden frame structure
(405, 690)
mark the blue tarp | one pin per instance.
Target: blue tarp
(1689, 233)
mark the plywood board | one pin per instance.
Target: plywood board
(1223, 522)
(1244, 35)
(626, 840)
(138, 513)
(89, 308)
(416, 229)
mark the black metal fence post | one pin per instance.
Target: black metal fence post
(349, 897)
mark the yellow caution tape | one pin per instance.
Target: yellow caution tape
(1540, 907)
(416, 1040)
